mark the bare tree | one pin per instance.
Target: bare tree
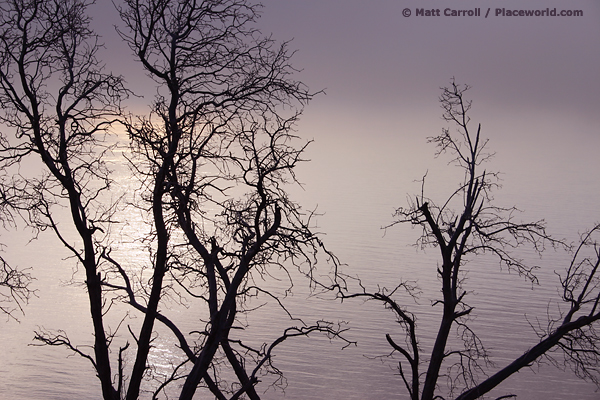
(216, 152)
(15, 283)
(213, 158)
(15, 288)
(463, 227)
(571, 338)
(58, 104)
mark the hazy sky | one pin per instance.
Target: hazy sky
(374, 62)
(370, 56)
(535, 86)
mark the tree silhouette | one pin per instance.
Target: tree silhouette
(462, 228)
(213, 158)
(14, 289)
(58, 104)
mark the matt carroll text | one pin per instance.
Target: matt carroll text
(498, 12)
(448, 12)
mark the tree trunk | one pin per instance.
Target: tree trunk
(526, 359)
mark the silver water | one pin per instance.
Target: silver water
(357, 191)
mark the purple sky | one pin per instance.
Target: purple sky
(535, 86)
(369, 55)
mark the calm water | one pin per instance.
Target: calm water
(357, 190)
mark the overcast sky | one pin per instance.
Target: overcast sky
(535, 85)
(372, 56)
(372, 59)
(368, 56)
